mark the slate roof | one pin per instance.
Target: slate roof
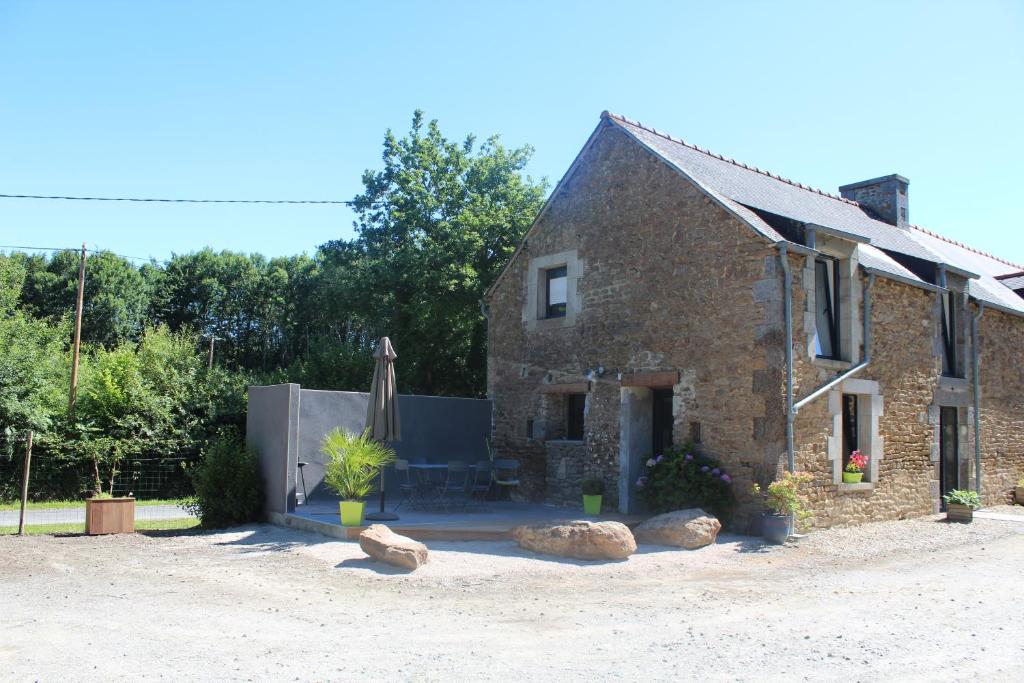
(736, 184)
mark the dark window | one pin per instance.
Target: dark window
(556, 293)
(661, 413)
(574, 422)
(950, 366)
(850, 426)
(695, 435)
(826, 304)
(529, 429)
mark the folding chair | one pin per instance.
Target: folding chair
(506, 475)
(455, 484)
(483, 475)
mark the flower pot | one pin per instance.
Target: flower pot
(351, 512)
(959, 513)
(776, 528)
(591, 505)
(852, 477)
(109, 516)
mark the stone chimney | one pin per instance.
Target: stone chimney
(885, 198)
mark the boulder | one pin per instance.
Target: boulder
(582, 540)
(688, 529)
(383, 544)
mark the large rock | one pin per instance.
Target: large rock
(383, 544)
(688, 529)
(581, 540)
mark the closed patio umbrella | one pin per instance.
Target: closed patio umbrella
(382, 419)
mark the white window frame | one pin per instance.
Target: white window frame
(870, 408)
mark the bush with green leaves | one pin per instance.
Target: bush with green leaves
(229, 486)
(961, 497)
(353, 463)
(682, 478)
(783, 497)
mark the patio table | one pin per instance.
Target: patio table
(426, 469)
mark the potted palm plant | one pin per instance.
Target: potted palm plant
(854, 470)
(353, 464)
(593, 490)
(960, 505)
(784, 504)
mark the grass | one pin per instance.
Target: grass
(143, 525)
(65, 504)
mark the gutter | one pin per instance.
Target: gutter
(787, 298)
(975, 363)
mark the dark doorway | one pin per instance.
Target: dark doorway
(661, 412)
(949, 460)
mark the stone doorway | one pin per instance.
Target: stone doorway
(645, 426)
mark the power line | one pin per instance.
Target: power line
(179, 201)
(76, 249)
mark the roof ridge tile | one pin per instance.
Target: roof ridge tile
(625, 119)
(968, 247)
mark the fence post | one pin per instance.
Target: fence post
(24, 485)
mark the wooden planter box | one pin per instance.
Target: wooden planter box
(1018, 493)
(109, 516)
(959, 513)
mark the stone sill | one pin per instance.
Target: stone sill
(565, 441)
(953, 383)
(863, 487)
(831, 363)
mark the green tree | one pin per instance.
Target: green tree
(435, 226)
(116, 298)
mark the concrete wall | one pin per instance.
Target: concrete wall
(434, 429)
(271, 429)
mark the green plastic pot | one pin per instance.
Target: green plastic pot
(591, 505)
(351, 512)
(852, 477)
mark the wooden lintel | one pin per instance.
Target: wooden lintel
(574, 388)
(651, 379)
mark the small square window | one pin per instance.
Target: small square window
(576, 404)
(556, 294)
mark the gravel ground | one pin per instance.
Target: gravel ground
(908, 600)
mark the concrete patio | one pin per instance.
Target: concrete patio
(493, 522)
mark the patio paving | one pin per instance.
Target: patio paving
(494, 522)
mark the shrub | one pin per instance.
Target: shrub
(593, 487)
(353, 463)
(682, 478)
(783, 495)
(961, 497)
(229, 487)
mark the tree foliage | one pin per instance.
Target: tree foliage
(434, 226)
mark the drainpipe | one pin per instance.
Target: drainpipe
(787, 298)
(975, 362)
(855, 369)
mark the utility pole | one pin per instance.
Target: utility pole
(78, 336)
(209, 360)
(24, 485)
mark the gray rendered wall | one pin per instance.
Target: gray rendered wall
(434, 429)
(271, 429)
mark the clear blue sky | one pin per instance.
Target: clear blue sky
(290, 100)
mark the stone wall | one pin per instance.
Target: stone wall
(906, 369)
(1002, 404)
(566, 467)
(669, 281)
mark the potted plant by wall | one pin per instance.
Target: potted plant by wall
(593, 490)
(960, 505)
(784, 505)
(353, 464)
(854, 470)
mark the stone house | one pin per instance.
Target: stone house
(666, 294)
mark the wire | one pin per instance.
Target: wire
(179, 201)
(77, 249)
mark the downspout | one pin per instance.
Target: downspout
(787, 298)
(839, 379)
(975, 363)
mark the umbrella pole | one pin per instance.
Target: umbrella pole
(382, 516)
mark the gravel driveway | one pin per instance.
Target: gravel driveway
(910, 600)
